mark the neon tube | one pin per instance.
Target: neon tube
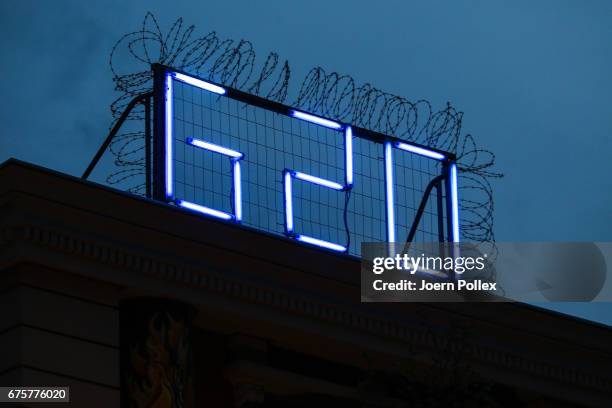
(288, 203)
(420, 151)
(389, 192)
(316, 119)
(321, 243)
(214, 148)
(348, 142)
(199, 83)
(318, 180)
(169, 138)
(204, 210)
(454, 202)
(237, 191)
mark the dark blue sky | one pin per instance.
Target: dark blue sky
(534, 79)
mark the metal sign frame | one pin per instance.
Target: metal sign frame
(162, 175)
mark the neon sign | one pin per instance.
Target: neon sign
(293, 174)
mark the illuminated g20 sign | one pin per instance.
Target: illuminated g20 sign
(166, 137)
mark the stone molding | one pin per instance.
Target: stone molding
(107, 255)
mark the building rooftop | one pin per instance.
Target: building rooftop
(105, 245)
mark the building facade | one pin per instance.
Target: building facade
(137, 303)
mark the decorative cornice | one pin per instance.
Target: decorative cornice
(209, 280)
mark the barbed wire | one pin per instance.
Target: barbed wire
(337, 96)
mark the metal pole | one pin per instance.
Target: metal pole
(159, 122)
(440, 211)
(112, 133)
(148, 146)
(449, 202)
(419, 214)
(449, 212)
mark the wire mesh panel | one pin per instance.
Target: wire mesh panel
(412, 175)
(305, 177)
(367, 211)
